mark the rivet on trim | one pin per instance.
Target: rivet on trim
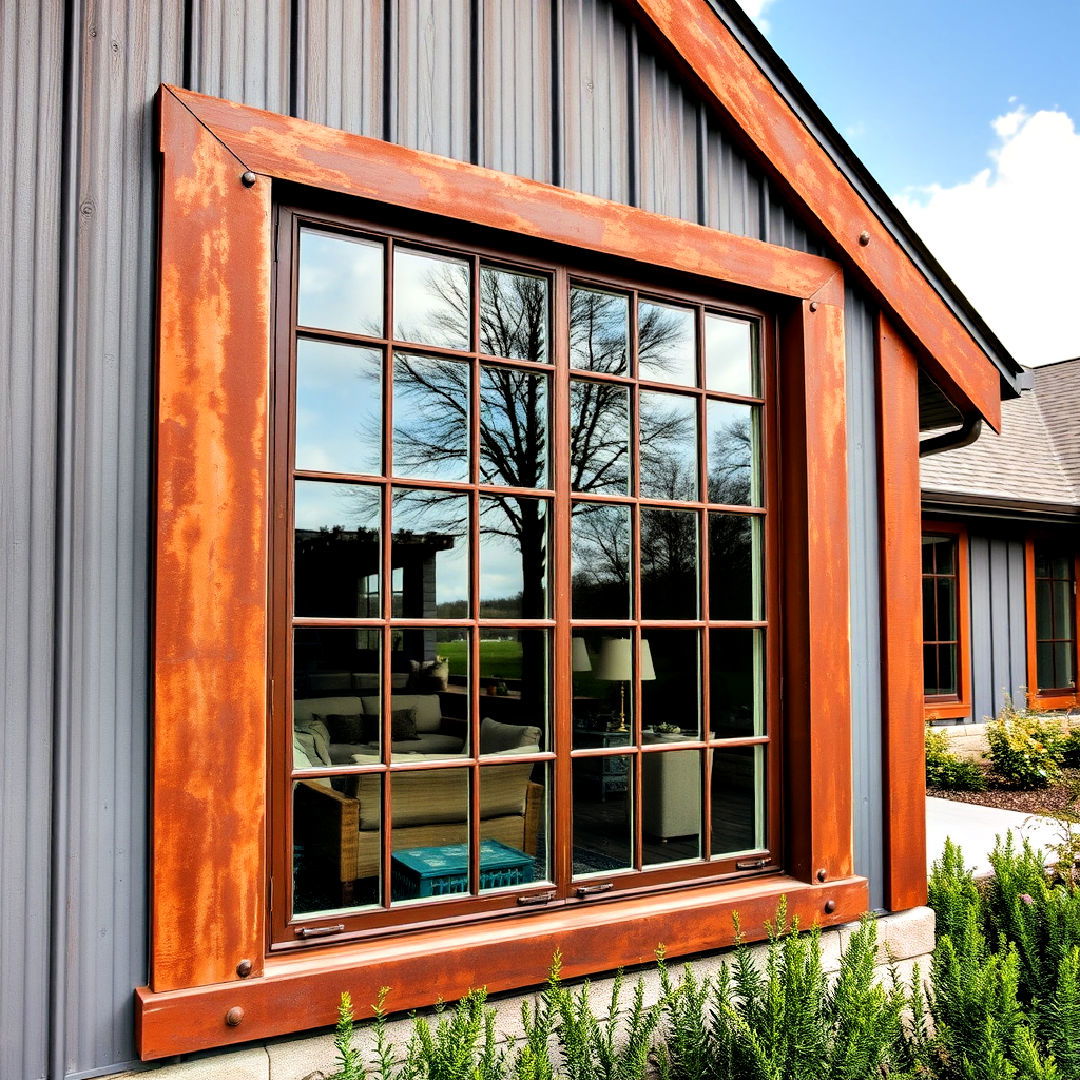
(234, 1016)
(248, 179)
(864, 238)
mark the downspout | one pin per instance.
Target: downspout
(62, 648)
(951, 440)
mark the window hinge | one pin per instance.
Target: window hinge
(320, 931)
(537, 898)
(592, 890)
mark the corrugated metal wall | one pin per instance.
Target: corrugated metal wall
(559, 90)
(864, 537)
(998, 614)
(31, 44)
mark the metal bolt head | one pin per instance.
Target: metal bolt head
(243, 969)
(830, 906)
(864, 238)
(248, 179)
(813, 305)
(234, 1016)
(822, 874)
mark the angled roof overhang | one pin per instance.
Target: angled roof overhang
(880, 252)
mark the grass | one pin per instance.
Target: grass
(498, 659)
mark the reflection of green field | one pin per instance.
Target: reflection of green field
(498, 659)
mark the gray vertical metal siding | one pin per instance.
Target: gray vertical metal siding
(864, 538)
(998, 614)
(595, 99)
(31, 46)
(589, 107)
(514, 97)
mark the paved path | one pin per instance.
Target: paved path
(975, 829)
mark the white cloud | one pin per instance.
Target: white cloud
(756, 10)
(1010, 236)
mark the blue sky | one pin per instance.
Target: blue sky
(966, 113)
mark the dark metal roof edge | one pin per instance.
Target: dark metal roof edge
(993, 506)
(836, 146)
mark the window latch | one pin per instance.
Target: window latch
(592, 890)
(537, 898)
(319, 931)
(751, 864)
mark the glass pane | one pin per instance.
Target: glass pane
(602, 665)
(734, 567)
(1042, 561)
(947, 682)
(515, 685)
(603, 815)
(1044, 666)
(928, 543)
(332, 671)
(323, 856)
(669, 564)
(338, 408)
(340, 283)
(429, 553)
(1065, 664)
(513, 428)
(738, 800)
(1064, 610)
(733, 454)
(730, 363)
(736, 683)
(671, 683)
(1044, 609)
(513, 314)
(432, 301)
(513, 558)
(670, 805)
(513, 825)
(429, 702)
(600, 546)
(929, 610)
(668, 451)
(599, 437)
(599, 330)
(946, 609)
(430, 839)
(1061, 566)
(336, 550)
(930, 670)
(666, 346)
(944, 554)
(431, 418)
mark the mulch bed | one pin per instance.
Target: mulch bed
(1051, 801)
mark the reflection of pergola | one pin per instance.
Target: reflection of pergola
(328, 560)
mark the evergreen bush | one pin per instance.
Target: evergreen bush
(1026, 747)
(945, 769)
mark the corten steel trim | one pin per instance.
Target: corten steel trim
(957, 705)
(212, 584)
(816, 617)
(796, 162)
(903, 764)
(210, 602)
(303, 990)
(285, 148)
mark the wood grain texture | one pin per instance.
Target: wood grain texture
(303, 991)
(209, 657)
(817, 676)
(286, 148)
(804, 171)
(903, 760)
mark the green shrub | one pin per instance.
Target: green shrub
(946, 770)
(1026, 748)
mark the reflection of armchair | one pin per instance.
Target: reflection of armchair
(671, 793)
(429, 808)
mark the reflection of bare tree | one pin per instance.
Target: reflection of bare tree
(730, 458)
(668, 458)
(669, 563)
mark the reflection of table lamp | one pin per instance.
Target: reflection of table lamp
(579, 658)
(615, 664)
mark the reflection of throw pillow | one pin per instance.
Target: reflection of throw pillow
(430, 676)
(402, 725)
(345, 728)
(496, 737)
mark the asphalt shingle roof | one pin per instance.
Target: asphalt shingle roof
(1035, 459)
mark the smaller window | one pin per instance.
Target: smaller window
(944, 594)
(1055, 620)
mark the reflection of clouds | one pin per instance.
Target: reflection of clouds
(431, 410)
(431, 299)
(341, 283)
(338, 408)
(728, 355)
(666, 346)
(351, 507)
(732, 453)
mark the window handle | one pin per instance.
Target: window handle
(537, 898)
(319, 931)
(591, 890)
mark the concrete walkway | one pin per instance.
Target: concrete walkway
(975, 829)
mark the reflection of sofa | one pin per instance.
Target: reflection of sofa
(671, 792)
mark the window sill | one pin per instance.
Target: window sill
(302, 991)
(946, 709)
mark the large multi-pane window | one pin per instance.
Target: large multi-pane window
(523, 638)
(1055, 618)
